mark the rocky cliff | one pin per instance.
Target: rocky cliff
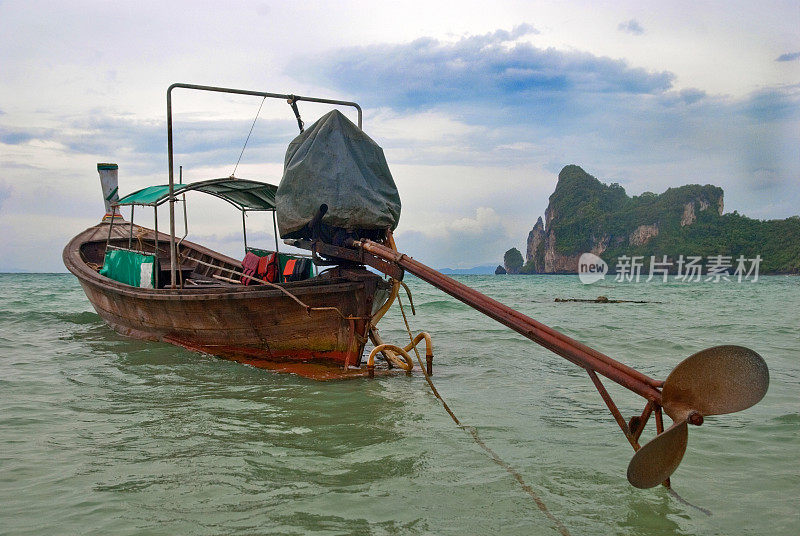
(585, 215)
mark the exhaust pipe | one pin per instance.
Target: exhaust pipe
(109, 180)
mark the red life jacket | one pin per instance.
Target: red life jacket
(268, 268)
(249, 267)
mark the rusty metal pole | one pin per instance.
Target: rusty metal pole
(173, 261)
(543, 335)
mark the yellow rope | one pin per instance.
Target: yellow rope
(389, 349)
(388, 354)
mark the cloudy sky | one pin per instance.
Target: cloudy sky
(477, 106)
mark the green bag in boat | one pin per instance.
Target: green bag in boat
(129, 267)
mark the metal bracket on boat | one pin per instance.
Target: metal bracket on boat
(292, 100)
(336, 255)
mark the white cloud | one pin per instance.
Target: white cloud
(485, 218)
(631, 26)
(461, 243)
(418, 128)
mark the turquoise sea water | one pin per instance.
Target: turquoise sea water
(101, 434)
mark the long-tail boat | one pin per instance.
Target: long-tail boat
(202, 300)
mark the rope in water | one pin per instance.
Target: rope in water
(474, 433)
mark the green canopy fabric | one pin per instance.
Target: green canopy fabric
(152, 195)
(242, 193)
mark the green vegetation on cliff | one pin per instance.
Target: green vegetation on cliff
(776, 241)
(583, 210)
(512, 261)
(586, 215)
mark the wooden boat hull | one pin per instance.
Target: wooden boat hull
(259, 325)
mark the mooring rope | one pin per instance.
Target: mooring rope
(474, 433)
(683, 501)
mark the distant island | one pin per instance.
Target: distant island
(585, 215)
(483, 269)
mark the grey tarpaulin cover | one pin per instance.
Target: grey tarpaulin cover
(335, 163)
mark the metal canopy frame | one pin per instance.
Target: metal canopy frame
(181, 190)
(245, 186)
(291, 99)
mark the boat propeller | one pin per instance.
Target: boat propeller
(715, 381)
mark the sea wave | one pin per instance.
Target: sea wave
(49, 317)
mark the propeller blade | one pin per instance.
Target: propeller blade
(655, 461)
(714, 381)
